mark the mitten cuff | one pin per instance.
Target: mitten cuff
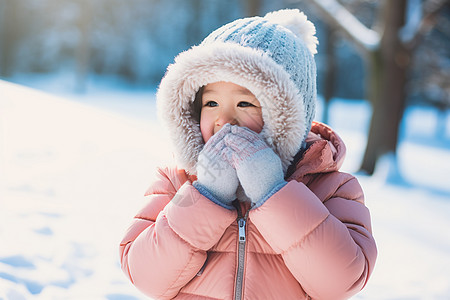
(217, 200)
(274, 190)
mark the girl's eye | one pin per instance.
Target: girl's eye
(211, 104)
(245, 104)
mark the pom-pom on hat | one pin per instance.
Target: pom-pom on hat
(271, 56)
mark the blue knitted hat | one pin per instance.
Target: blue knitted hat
(270, 56)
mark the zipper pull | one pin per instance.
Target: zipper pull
(241, 224)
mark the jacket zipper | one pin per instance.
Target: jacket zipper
(242, 220)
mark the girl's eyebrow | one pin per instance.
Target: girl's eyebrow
(244, 92)
(234, 91)
(205, 91)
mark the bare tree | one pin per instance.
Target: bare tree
(82, 50)
(330, 71)
(253, 7)
(10, 34)
(387, 50)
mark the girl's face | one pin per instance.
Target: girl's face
(226, 102)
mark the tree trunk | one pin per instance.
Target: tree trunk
(441, 124)
(253, 7)
(388, 69)
(82, 51)
(330, 72)
(193, 30)
(9, 35)
(375, 133)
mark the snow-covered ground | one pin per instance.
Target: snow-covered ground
(73, 171)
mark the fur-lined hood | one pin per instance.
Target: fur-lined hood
(278, 69)
(325, 152)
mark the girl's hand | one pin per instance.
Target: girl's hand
(216, 178)
(258, 168)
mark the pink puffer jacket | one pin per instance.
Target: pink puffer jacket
(310, 240)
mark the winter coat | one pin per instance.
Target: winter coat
(310, 240)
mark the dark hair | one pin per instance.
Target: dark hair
(196, 106)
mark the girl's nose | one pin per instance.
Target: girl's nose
(226, 117)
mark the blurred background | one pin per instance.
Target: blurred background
(83, 149)
(391, 53)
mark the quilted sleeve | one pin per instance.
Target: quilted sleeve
(166, 244)
(327, 246)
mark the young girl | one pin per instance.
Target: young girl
(257, 207)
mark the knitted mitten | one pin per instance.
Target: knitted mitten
(216, 178)
(258, 168)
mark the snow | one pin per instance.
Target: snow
(73, 170)
(368, 38)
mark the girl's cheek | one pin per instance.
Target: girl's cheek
(206, 127)
(254, 121)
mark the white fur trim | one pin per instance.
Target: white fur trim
(282, 104)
